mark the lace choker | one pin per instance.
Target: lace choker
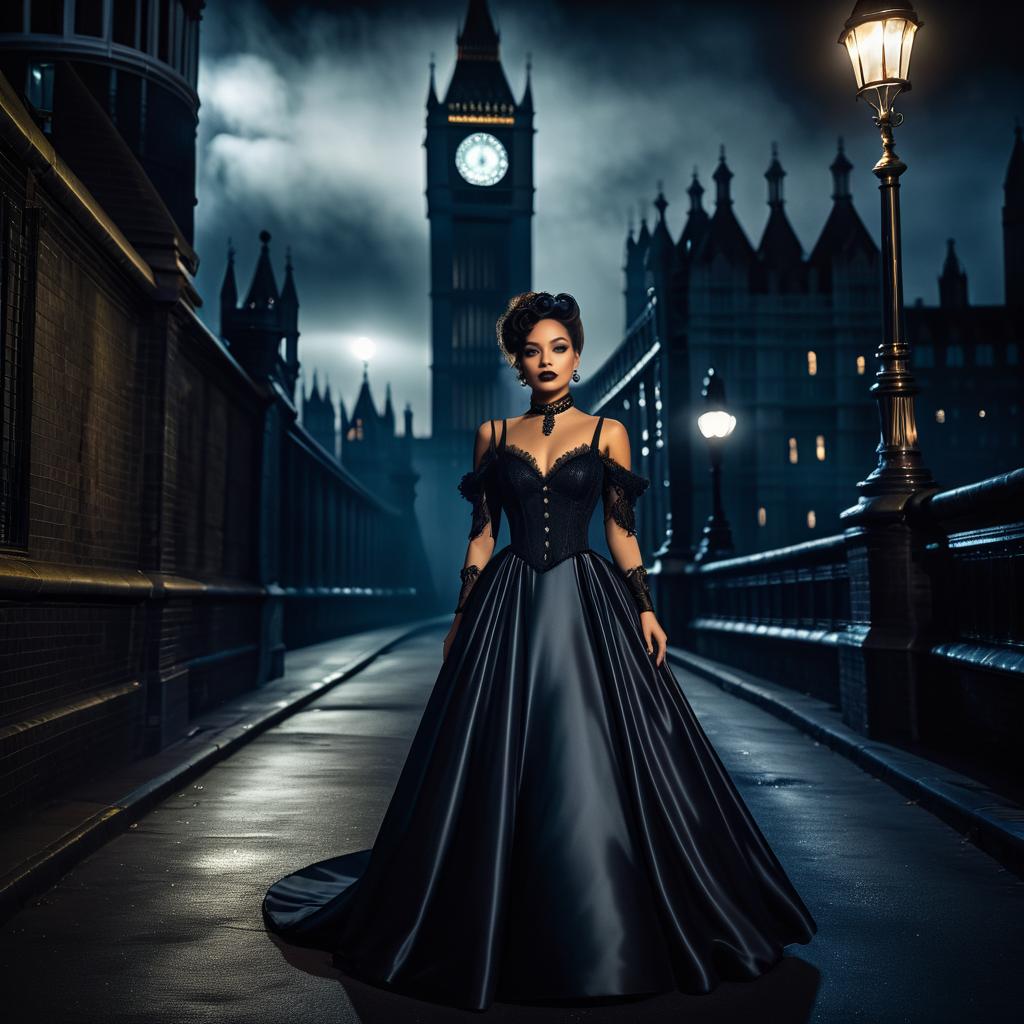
(551, 409)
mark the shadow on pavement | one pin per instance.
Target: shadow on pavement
(784, 995)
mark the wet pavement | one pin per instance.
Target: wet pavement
(163, 923)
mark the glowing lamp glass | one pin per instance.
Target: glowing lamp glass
(879, 51)
(716, 423)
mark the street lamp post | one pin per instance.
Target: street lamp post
(878, 37)
(716, 423)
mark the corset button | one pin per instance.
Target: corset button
(545, 488)
(547, 529)
(546, 500)
(547, 515)
(547, 543)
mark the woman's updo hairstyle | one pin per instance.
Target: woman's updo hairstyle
(522, 314)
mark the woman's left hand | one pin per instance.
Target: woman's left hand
(654, 636)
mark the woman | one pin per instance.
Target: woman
(562, 828)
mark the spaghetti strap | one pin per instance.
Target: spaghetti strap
(597, 433)
(492, 435)
(504, 423)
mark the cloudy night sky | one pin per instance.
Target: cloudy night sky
(312, 123)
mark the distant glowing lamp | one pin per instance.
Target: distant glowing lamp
(363, 348)
(717, 421)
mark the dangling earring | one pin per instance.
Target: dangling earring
(576, 375)
(522, 379)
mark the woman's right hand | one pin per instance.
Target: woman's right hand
(451, 635)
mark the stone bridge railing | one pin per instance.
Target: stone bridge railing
(914, 630)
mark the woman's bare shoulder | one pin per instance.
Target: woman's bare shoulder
(614, 439)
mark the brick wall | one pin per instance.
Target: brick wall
(141, 471)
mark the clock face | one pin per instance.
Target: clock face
(481, 159)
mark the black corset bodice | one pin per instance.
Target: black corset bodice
(549, 515)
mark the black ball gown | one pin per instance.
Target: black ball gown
(562, 827)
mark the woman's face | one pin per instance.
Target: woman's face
(548, 358)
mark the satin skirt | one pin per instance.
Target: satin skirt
(562, 827)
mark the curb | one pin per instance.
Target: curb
(40, 871)
(988, 820)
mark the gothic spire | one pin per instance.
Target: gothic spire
(843, 235)
(432, 100)
(780, 250)
(696, 218)
(695, 192)
(478, 39)
(722, 177)
(952, 280)
(840, 168)
(478, 84)
(643, 238)
(526, 103)
(774, 176)
(263, 290)
(660, 252)
(289, 297)
(724, 234)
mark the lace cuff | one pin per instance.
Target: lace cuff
(637, 580)
(469, 575)
(622, 487)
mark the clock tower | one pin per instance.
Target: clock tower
(479, 145)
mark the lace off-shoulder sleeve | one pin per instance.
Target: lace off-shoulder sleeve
(479, 488)
(622, 487)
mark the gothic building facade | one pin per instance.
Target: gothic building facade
(262, 332)
(967, 358)
(365, 441)
(793, 334)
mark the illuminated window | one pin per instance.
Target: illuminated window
(812, 519)
(812, 363)
(924, 356)
(792, 450)
(983, 354)
(940, 415)
(762, 516)
(954, 355)
(819, 447)
(1011, 353)
(860, 365)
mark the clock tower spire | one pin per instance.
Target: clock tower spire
(479, 163)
